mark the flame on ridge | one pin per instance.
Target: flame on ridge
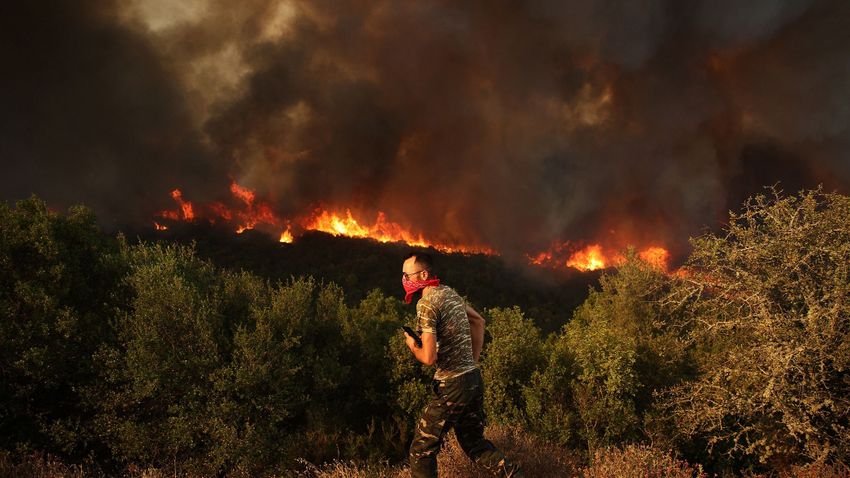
(382, 230)
(186, 211)
(594, 257)
(253, 213)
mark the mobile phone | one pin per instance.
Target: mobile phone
(413, 334)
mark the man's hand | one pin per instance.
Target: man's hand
(427, 354)
(410, 341)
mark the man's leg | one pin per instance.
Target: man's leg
(470, 434)
(436, 420)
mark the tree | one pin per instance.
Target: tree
(60, 288)
(510, 358)
(769, 302)
(621, 347)
(157, 379)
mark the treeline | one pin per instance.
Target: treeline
(116, 354)
(360, 266)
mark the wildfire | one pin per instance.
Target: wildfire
(657, 257)
(588, 259)
(595, 257)
(186, 208)
(254, 212)
(286, 236)
(345, 225)
(381, 230)
(250, 212)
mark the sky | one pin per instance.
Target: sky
(513, 125)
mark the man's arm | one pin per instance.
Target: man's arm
(476, 329)
(427, 354)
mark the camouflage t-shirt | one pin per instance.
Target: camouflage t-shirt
(443, 313)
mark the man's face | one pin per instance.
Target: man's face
(411, 271)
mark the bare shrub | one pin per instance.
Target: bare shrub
(639, 461)
(812, 470)
(769, 305)
(537, 458)
(38, 465)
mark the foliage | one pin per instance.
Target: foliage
(513, 354)
(148, 356)
(219, 370)
(58, 297)
(770, 305)
(620, 348)
(362, 265)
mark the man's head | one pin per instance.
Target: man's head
(418, 266)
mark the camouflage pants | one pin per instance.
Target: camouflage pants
(456, 403)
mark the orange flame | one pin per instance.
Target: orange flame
(594, 257)
(381, 230)
(336, 225)
(657, 257)
(588, 259)
(254, 212)
(186, 211)
(286, 236)
(185, 206)
(246, 195)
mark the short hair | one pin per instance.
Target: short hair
(422, 259)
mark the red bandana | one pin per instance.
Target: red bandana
(411, 287)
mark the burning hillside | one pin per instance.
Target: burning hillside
(249, 212)
(594, 257)
(527, 129)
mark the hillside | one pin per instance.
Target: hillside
(361, 265)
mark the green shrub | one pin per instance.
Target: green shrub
(550, 406)
(606, 383)
(514, 353)
(598, 386)
(157, 381)
(60, 287)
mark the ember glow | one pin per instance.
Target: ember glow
(595, 256)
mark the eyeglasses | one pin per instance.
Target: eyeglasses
(408, 276)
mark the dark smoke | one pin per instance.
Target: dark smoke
(91, 113)
(510, 124)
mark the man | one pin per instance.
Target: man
(452, 334)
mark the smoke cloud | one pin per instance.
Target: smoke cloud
(507, 124)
